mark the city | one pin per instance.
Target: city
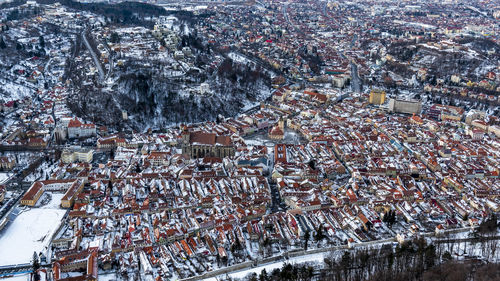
(249, 140)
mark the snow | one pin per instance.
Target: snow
(31, 231)
(21, 277)
(107, 276)
(313, 258)
(54, 202)
(3, 177)
(14, 91)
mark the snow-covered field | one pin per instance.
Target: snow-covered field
(30, 231)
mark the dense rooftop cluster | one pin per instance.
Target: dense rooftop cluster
(354, 164)
(382, 125)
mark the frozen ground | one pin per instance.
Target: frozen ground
(30, 231)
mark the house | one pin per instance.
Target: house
(158, 158)
(111, 142)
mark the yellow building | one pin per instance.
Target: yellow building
(77, 155)
(69, 197)
(32, 195)
(377, 97)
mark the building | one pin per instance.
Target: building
(377, 97)
(77, 154)
(158, 158)
(110, 142)
(77, 129)
(186, 51)
(494, 130)
(202, 144)
(475, 134)
(405, 106)
(179, 55)
(69, 197)
(70, 187)
(480, 124)
(80, 265)
(7, 163)
(278, 131)
(33, 194)
(445, 112)
(474, 115)
(204, 88)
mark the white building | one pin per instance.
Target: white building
(77, 129)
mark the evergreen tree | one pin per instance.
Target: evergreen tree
(2, 43)
(36, 266)
(115, 38)
(319, 233)
(345, 263)
(41, 41)
(253, 277)
(110, 186)
(263, 275)
(307, 235)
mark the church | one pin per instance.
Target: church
(203, 144)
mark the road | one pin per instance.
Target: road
(15, 269)
(285, 15)
(92, 53)
(356, 82)
(110, 58)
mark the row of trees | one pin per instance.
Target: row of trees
(406, 262)
(414, 260)
(411, 260)
(288, 272)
